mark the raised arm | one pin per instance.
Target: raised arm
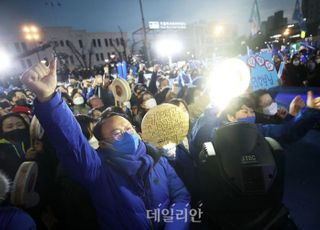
(298, 126)
(76, 155)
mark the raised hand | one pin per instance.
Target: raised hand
(282, 112)
(312, 102)
(42, 80)
(296, 105)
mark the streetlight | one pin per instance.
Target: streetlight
(168, 48)
(32, 34)
(218, 30)
(286, 32)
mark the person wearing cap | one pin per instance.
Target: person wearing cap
(128, 181)
(24, 112)
(14, 142)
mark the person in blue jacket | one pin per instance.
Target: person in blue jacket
(240, 110)
(130, 185)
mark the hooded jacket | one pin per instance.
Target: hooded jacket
(128, 190)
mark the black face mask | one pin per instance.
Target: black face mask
(22, 102)
(17, 135)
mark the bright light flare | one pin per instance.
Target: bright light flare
(286, 32)
(229, 79)
(28, 37)
(218, 30)
(4, 60)
(168, 47)
(36, 37)
(26, 29)
(34, 29)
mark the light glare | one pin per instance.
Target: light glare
(229, 79)
(168, 47)
(4, 60)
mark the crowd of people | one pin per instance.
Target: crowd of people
(95, 171)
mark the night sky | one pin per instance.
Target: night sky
(107, 15)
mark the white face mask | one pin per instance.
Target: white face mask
(169, 151)
(150, 103)
(271, 109)
(94, 142)
(78, 101)
(296, 63)
(318, 60)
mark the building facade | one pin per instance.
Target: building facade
(76, 48)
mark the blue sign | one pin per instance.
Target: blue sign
(262, 70)
(122, 70)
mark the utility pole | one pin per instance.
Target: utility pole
(145, 41)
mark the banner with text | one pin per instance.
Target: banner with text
(262, 70)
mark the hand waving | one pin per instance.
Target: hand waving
(296, 105)
(42, 80)
(313, 102)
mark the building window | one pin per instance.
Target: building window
(110, 42)
(101, 56)
(61, 43)
(117, 41)
(67, 61)
(29, 62)
(122, 41)
(17, 45)
(108, 55)
(94, 42)
(99, 42)
(106, 42)
(71, 60)
(23, 64)
(83, 57)
(24, 46)
(124, 54)
(97, 57)
(80, 44)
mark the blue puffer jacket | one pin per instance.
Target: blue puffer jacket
(122, 187)
(12, 218)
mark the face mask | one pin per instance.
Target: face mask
(94, 142)
(250, 120)
(17, 135)
(128, 144)
(22, 102)
(318, 60)
(150, 103)
(78, 101)
(271, 109)
(296, 63)
(169, 151)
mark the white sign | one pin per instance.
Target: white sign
(158, 25)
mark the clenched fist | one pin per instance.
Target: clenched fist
(42, 80)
